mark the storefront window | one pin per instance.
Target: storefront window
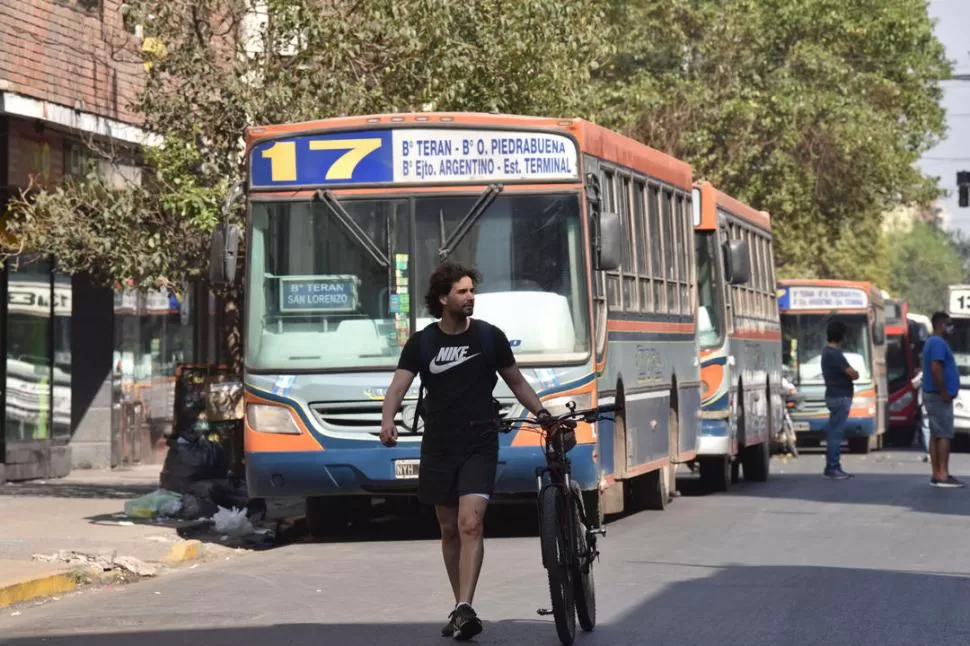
(63, 310)
(153, 335)
(29, 334)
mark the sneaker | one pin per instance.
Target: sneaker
(467, 624)
(837, 474)
(949, 483)
(448, 630)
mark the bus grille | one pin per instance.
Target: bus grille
(365, 418)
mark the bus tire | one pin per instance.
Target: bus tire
(656, 488)
(331, 516)
(757, 462)
(715, 473)
(860, 445)
(757, 458)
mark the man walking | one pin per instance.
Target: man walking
(839, 390)
(457, 358)
(941, 383)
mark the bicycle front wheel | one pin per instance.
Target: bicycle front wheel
(584, 588)
(556, 546)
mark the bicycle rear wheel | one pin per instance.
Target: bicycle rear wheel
(555, 557)
(584, 589)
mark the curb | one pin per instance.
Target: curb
(63, 582)
(44, 586)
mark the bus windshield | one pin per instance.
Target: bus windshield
(960, 344)
(709, 320)
(804, 338)
(325, 293)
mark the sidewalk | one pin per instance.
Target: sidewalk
(84, 514)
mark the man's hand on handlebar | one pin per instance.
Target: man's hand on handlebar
(551, 425)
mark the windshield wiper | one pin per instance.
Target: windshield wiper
(478, 208)
(338, 211)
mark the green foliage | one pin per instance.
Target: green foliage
(212, 77)
(814, 110)
(922, 263)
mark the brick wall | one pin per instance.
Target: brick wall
(71, 52)
(36, 157)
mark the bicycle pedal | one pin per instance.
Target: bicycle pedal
(599, 531)
(542, 612)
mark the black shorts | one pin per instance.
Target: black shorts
(444, 476)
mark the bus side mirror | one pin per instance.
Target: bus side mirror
(610, 241)
(879, 334)
(223, 251)
(737, 268)
(224, 245)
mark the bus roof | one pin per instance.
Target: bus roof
(592, 139)
(713, 199)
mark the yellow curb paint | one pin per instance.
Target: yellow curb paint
(182, 552)
(44, 586)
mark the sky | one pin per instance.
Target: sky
(953, 153)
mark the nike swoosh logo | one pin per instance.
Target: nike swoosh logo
(437, 368)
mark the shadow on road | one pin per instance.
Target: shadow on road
(54, 489)
(750, 605)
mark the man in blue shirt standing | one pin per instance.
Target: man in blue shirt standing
(839, 390)
(941, 383)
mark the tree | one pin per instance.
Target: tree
(814, 110)
(212, 73)
(922, 263)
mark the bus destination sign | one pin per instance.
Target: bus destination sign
(413, 156)
(304, 294)
(823, 298)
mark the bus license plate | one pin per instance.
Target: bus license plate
(406, 469)
(801, 426)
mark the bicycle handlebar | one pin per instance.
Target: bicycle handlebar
(589, 416)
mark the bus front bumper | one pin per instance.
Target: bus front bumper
(372, 471)
(814, 428)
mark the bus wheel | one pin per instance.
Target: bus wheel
(715, 473)
(656, 488)
(757, 462)
(860, 445)
(330, 516)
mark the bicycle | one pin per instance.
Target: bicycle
(566, 537)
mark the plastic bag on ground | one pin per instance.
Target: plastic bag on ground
(160, 502)
(233, 522)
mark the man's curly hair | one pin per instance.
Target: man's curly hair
(441, 282)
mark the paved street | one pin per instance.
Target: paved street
(881, 559)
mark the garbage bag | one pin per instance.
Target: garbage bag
(189, 462)
(160, 502)
(233, 522)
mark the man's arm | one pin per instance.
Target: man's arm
(400, 383)
(939, 380)
(848, 369)
(521, 388)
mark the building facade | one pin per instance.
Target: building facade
(86, 372)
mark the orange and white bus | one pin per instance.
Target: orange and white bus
(740, 340)
(806, 307)
(583, 236)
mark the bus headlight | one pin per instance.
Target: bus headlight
(867, 403)
(557, 405)
(271, 419)
(902, 402)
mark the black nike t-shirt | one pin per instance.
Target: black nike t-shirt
(456, 374)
